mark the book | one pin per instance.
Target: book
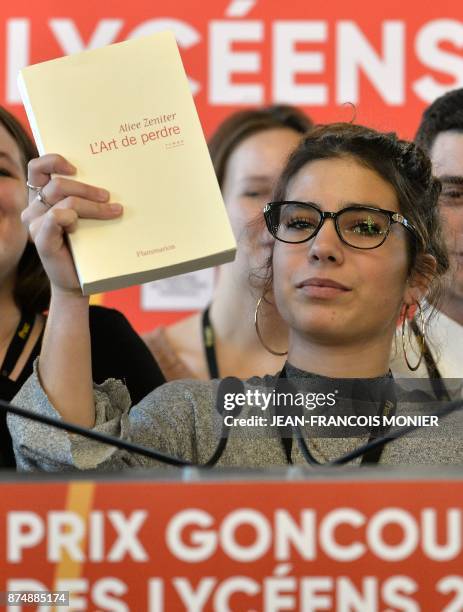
(125, 117)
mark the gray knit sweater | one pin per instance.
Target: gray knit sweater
(179, 419)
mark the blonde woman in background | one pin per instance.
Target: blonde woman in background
(248, 150)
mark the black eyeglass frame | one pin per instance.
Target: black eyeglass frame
(394, 217)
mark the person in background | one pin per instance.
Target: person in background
(436, 350)
(357, 237)
(117, 351)
(248, 151)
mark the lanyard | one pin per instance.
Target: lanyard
(17, 343)
(209, 345)
(388, 404)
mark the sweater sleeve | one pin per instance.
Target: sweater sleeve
(165, 421)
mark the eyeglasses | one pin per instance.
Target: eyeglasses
(361, 227)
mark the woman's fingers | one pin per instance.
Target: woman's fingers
(58, 190)
(48, 232)
(55, 205)
(40, 169)
(86, 209)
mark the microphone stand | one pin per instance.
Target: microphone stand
(175, 461)
(94, 435)
(450, 407)
(228, 385)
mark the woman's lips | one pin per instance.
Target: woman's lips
(322, 288)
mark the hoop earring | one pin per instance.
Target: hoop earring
(259, 335)
(421, 338)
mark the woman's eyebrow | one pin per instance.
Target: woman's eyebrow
(360, 204)
(255, 177)
(344, 204)
(295, 202)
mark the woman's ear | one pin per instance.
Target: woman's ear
(420, 279)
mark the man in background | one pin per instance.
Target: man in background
(440, 134)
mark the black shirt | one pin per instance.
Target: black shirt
(117, 352)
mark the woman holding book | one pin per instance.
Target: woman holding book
(25, 294)
(248, 150)
(357, 239)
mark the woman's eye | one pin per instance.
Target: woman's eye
(257, 193)
(454, 196)
(366, 227)
(4, 172)
(300, 224)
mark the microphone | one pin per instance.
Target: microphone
(228, 386)
(450, 407)
(94, 435)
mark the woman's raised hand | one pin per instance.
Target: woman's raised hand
(55, 205)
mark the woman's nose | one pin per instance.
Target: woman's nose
(326, 246)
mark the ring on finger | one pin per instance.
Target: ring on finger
(42, 198)
(33, 187)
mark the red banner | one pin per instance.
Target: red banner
(389, 60)
(339, 545)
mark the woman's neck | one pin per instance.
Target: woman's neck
(232, 316)
(358, 359)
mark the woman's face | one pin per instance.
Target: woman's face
(374, 282)
(13, 199)
(251, 173)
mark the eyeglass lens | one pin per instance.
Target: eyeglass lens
(359, 228)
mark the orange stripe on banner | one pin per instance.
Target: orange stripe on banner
(97, 299)
(79, 500)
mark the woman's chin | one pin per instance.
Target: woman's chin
(323, 331)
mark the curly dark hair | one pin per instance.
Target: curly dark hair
(32, 288)
(444, 114)
(242, 124)
(402, 164)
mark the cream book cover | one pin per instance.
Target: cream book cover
(125, 117)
